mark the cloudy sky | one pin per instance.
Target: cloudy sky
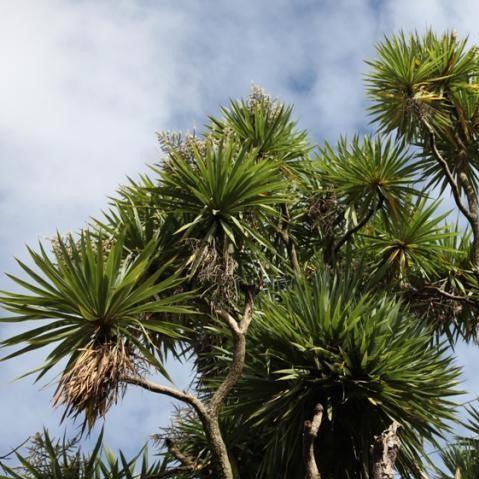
(84, 86)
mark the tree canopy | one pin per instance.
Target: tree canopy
(318, 290)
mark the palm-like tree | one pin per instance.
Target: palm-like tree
(102, 312)
(312, 291)
(360, 356)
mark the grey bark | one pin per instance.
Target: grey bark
(385, 450)
(310, 434)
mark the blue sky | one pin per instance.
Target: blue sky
(86, 84)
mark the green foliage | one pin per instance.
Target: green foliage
(461, 459)
(94, 299)
(357, 281)
(363, 357)
(412, 78)
(397, 246)
(50, 459)
(370, 171)
(265, 125)
(222, 193)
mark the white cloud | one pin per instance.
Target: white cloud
(85, 85)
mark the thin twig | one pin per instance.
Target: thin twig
(183, 396)
(13, 451)
(356, 228)
(455, 297)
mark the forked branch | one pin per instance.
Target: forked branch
(208, 412)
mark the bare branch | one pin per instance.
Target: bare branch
(455, 297)
(284, 233)
(209, 414)
(183, 396)
(239, 352)
(13, 451)
(447, 171)
(471, 196)
(356, 228)
(311, 429)
(229, 321)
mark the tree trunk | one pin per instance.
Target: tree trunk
(385, 450)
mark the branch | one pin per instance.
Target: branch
(238, 331)
(170, 473)
(183, 396)
(311, 429)
(13, 451)
(455, 297)
(209, 415)
(356, 228)
(471, 196)
(229, 321)
(447, 171)
(284, 232)
(385, 451)
(182, 458)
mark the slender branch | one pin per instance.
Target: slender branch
(356, 228)
(183, 396)
(13, 451)
(455, 297)
(471, 196)
(181, 457)
(471, 214)
(210, 422)
(284, 233)
(170, 473)
(311, 429)
(385, 451)
(447, 171)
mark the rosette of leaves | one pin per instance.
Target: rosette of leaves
(223, 197)
(362, 357)
(415, 246)
(369, 173)
(100, 313)
(263, 124)
(415, 79)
